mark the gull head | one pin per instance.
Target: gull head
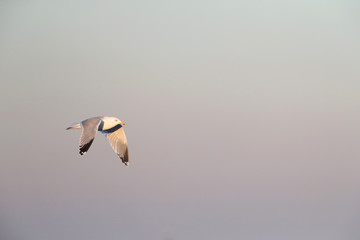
(110, 122)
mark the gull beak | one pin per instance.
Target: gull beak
(122, 123)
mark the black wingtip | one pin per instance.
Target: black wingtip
(85, 147)
(125, 158)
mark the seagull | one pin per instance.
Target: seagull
(113, 129)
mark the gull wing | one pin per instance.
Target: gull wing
(118, 142)
(89, 129)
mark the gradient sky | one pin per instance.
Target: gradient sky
(242, 120)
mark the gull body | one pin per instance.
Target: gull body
(113, 129)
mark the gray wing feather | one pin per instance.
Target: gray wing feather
(89, 129)
(118, 142)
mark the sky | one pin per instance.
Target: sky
(242, 119)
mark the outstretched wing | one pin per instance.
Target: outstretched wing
(89, 129)
(118, 142)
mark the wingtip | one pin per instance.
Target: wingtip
(125, 160)
(85, 147)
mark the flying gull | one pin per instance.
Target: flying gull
(113, 129)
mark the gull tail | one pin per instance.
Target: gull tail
(74, 126)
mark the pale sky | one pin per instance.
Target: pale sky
(242, 120)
